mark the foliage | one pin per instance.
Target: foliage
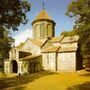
(80, 9)
(69, 33)
(5, 45)
(13, 13)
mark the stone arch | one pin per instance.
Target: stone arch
(14, 66)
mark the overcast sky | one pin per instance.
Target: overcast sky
(55, 8)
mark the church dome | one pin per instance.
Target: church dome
(43, 26)
(43, 15)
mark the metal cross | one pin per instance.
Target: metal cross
(43, 5)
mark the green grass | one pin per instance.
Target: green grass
(2, 75)
(48, 81)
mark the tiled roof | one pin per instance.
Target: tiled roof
(51, 49)
(36, 42)
(57, 39)
(43, 40)
(70, 39)
(67, 49)
(29, 57)
(43, 15)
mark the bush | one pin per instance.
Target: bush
(87, 62)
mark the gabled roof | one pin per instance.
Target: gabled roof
(36, 42)
(29, 58)
(69, 39)
(51, 49)
(59, 49)
(57, 39)
(67, 49)
(43, 15)
(43, 40)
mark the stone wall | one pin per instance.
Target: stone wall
(30, 47)
(31, 66)
(49, 61)
(66, 61)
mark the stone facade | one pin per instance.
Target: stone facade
(66, 61)
(49, 61)
(44, 51)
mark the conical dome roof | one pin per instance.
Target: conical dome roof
(43, 15)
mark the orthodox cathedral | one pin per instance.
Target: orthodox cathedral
(44, 51)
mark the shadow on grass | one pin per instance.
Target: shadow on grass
(16, 88)
(84, 86)
(24, 79)
(86, 74)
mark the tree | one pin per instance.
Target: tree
(65, 33)
(70, 33)
(5, 45)
(13, 13)
(80, 9)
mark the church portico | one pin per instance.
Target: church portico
(10, 66)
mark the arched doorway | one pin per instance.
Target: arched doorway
(14, 66)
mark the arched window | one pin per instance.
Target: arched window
(37, 29)
(49, 27)
(42, 30)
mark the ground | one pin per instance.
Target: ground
(46, 80)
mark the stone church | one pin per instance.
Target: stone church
(44, 51)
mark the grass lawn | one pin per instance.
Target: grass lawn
(48, 81)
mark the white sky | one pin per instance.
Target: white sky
(22, 36)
